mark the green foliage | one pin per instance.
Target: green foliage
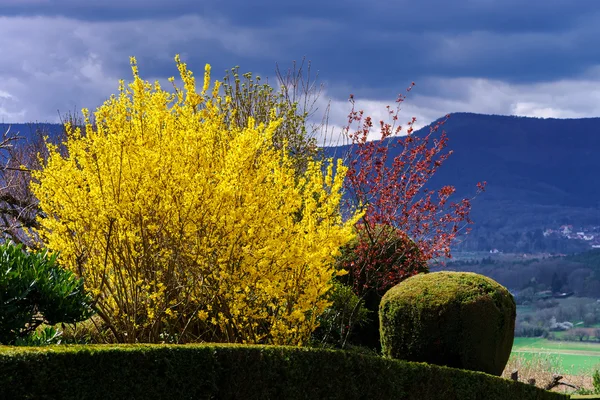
(238, 372)
(595, 391)
(43, 337)
(34, 289)
(337, 323)
(459, 319)
(591, 258)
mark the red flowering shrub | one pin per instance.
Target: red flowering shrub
(406, 223)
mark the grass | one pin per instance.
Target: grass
(539, 359)
(570, 358)
(541, 367)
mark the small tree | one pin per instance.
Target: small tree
(21, 153)
(18, 207)
(557, 283)
(577, 334)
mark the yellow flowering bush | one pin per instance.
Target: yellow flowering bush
(188, 227)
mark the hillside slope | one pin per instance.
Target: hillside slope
(541, 173)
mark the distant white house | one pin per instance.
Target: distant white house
(566, 229)
(560, 326)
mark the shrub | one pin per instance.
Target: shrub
(525, 329)
(239, 372)
(187, 226)
(390, 180)
(596, 381)
(459, 319)
(377, 259)
(346, 313)
(293, 103)
(43, 337)
(35, 290)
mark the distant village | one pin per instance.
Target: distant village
(590, 234)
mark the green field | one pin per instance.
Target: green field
(574, 358)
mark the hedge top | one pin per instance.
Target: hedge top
(238, 371)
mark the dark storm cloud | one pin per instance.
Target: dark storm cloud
(378, 41)
(373, 49)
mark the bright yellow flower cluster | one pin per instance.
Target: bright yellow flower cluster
(185, 225)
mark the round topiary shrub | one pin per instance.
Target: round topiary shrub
(458, 319)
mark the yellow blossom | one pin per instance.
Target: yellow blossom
(164, 208)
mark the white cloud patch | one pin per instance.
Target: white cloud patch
(573, 98)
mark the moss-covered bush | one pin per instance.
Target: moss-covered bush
(237, 372)
(458, 319)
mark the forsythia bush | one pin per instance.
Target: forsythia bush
(187, 227)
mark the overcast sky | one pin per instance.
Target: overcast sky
(530, 58)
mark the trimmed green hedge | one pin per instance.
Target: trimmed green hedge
(237, 372)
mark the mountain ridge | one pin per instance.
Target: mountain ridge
(540, 172)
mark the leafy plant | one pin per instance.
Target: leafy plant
(404, 222)
(377, 258)
(388, 180)
(291, 105)
(337, 323)
(35, 290)
(47, 335)
(596, 381)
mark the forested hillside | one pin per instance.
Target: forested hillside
(541, 174)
